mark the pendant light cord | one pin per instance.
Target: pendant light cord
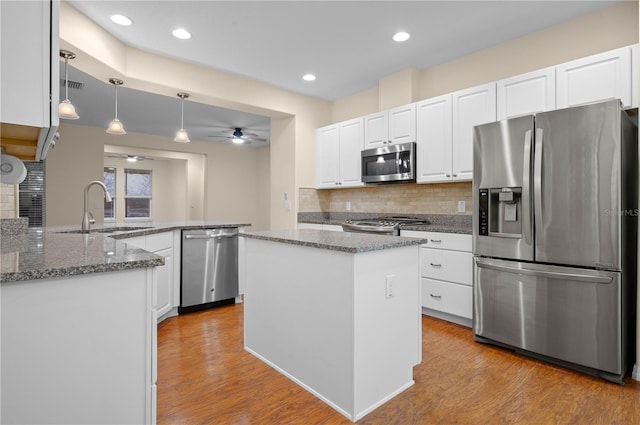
(116, 100)
(66, 78)
(182, 114)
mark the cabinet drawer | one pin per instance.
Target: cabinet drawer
(159, 241)
(453, 241)
(447, 297)
(452, 266)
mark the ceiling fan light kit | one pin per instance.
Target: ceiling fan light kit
(115, 126)
(181, 135)
(66, 110)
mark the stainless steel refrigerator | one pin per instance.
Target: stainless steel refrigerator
(555, 198)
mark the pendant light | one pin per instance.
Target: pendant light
(115, 126)
(66, 110)
(181, 135)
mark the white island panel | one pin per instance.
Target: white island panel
(322, 317)
(79, 349)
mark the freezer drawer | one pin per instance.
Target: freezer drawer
(569, 314)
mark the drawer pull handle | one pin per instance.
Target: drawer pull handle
(436, 240)
(435, 265)
(437, 297)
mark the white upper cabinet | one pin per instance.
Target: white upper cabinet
(351, 136)
(471, 107)
(376, 130)
(328, 156)
(526, 94)
(397, 125)
(30, 67)
(434, 140)
(598, 77)
(338, 150)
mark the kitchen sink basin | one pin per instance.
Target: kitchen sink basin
(109, 229)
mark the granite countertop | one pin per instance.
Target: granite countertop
(335, 241)
(50, 252)
(437, 223)
(133, 229)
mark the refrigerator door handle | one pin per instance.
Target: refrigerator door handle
(537, 181)
(546, 274)
(526, 171)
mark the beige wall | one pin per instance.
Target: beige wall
(168, 184)
(607, 29)
(76, 160)
(264, 189)
(196, 167)
(221, 180)
(294, 117)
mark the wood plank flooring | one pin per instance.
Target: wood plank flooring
(206, 377)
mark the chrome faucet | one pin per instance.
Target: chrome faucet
(87, 218)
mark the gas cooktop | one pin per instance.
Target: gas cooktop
(380, 225)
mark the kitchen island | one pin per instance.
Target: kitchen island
(338, 313)
(78, 321)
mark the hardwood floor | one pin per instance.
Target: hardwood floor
(206, 377)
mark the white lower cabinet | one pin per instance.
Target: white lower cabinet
(79, 349)
(447, 297)
(446, 276)
(167, 296)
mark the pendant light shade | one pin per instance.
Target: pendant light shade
(181, 135)
(66, 110)
(115, 126)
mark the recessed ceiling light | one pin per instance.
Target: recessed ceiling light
(401, 36)
(308, 77)
(182, 34)
(121, 20)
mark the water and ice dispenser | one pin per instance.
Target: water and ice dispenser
(500, 212)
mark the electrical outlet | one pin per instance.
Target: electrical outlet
(348, 206)
(388, 286)
(462, 207)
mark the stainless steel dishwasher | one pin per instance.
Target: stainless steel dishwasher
(209, 267)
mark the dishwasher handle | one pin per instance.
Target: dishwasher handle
(209, 236)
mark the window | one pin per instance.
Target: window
(110, 181)
(137, 193)
(31, 194)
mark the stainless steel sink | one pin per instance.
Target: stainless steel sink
(110, 229)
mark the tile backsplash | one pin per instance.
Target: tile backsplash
(8, 201)
(409, 198)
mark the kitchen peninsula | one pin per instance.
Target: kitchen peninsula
(78, 315)
(338, 313)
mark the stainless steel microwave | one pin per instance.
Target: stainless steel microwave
(391, 163)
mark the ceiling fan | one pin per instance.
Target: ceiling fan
(237, 136)
(131, 158)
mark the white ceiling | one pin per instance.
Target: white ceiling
(347, 44)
